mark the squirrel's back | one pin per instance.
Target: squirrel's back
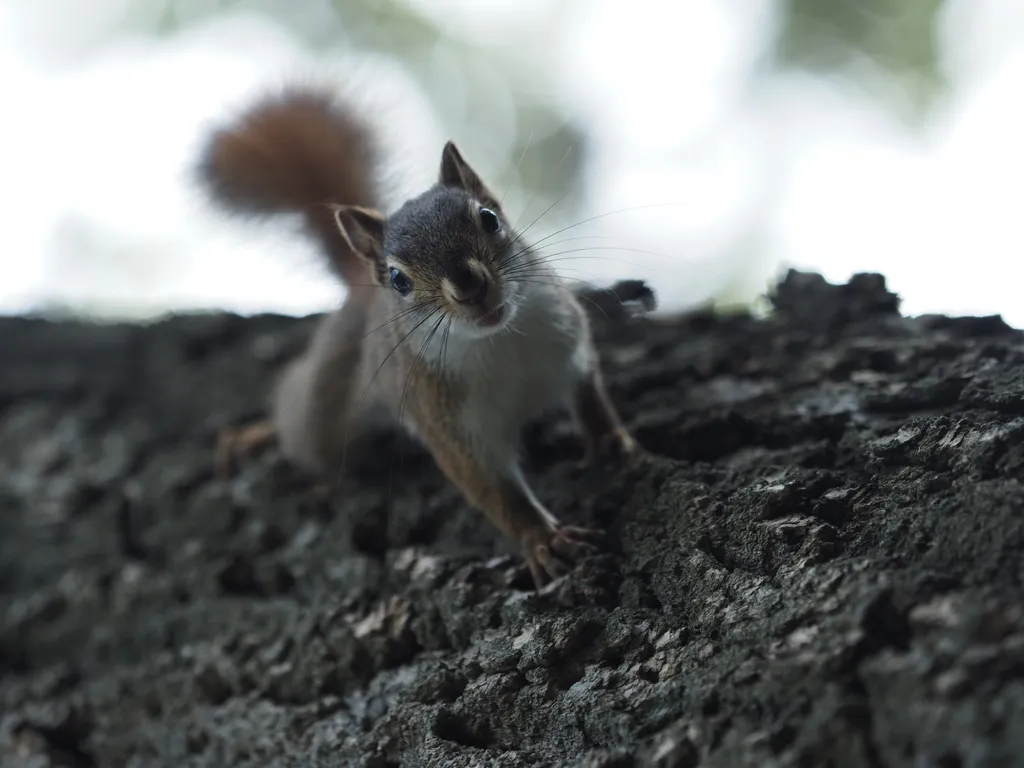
(300, 151)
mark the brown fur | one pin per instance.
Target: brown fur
(300, 152)
(456, 255)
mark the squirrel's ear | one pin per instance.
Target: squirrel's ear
(456, 172)
(363, 230)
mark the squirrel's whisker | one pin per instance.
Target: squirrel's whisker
(399, 316)
(395, 349)
(522, 156)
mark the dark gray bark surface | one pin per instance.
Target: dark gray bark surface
(822, 568)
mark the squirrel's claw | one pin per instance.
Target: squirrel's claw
(234, 442)
(554, 555)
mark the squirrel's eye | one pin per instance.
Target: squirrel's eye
(400, 282)
(490, 220)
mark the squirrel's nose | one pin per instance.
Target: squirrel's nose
(470, 286)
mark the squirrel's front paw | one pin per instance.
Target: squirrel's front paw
(554, 553)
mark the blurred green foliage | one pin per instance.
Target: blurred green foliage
(886, 46)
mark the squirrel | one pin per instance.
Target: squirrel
(451, 321)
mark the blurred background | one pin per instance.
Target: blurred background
(703, 145)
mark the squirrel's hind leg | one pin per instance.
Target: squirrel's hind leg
(310, 410)
(314, 399)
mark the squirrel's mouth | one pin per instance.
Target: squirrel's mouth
(495, 317)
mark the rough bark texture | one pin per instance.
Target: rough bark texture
(823, 568)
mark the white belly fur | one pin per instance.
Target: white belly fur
(520, 373)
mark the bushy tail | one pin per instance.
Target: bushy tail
(298, 152)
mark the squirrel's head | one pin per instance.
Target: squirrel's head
(445, 253)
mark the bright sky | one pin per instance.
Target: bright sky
(732, 170)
